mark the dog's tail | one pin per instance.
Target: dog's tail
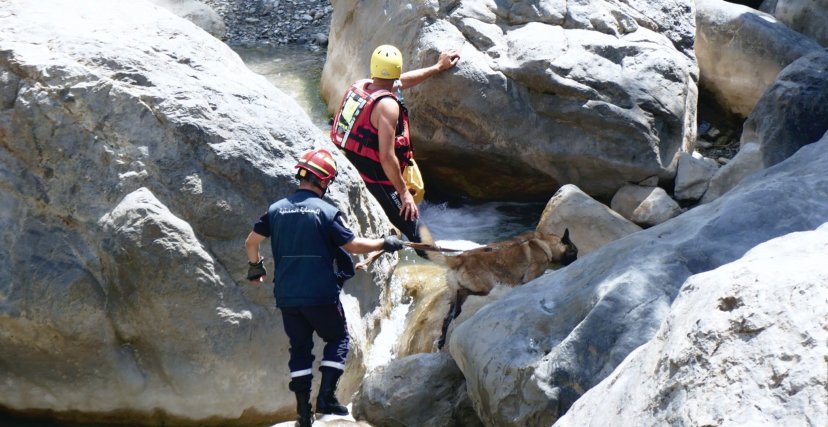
(427, 239)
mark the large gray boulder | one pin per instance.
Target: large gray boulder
(424, 389)
(527, 357)
(741, 51)
(792, 112)
(591, 224)
(590, 93)
(744, 344)
(808, 17)
(198, 13)
(131, 170)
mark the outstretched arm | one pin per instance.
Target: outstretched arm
(364, 245)
(448, 58)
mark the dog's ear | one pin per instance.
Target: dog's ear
(565, 239)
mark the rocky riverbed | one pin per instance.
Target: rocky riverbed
(275, 22)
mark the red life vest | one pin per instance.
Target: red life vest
(352, 130)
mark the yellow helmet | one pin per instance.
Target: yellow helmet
(386, 62)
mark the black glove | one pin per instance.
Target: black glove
(391, 244)
(255, 270)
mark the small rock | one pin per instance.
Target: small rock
(723, 140)
(703, 144)
(713, 133)
(320, 39)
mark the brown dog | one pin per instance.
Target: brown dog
(512, 262)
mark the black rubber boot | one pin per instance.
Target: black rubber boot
(303, 409)
(326, 402)
(301, 387)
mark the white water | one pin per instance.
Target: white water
(481, 223)
(464, 226)
(383, 349)
(455, 226)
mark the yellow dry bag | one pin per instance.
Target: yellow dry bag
(414, 181)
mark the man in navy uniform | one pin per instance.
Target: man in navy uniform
(307, 237)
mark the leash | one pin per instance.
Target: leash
(364, 264)
(485, 248)
(495, 247)
(430, 248)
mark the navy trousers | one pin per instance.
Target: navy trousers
(328, 321)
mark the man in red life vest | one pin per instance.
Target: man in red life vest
(372, 126)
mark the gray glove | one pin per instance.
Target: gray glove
(391, 244)
(255, 270)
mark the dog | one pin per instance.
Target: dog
(511, 262)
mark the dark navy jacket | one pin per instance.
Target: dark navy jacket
(306, 245)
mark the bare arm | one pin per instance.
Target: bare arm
(363, 245)
(384, 117)
(251, 246)
(447, 59)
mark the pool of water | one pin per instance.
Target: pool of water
(296, 71)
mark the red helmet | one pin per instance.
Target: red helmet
(320, 163)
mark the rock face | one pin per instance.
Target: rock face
(595, 94)
(131, 170)
(563, 333)
(793, 112)
(805, 16)
(741, 51)
(744, 344)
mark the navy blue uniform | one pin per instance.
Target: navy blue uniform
(306, 235)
